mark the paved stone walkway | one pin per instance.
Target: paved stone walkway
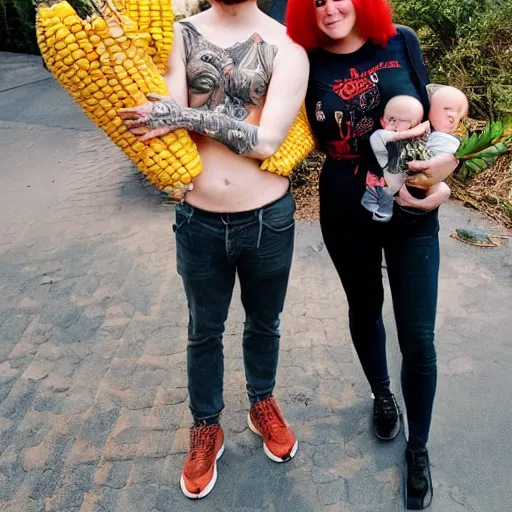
(93, 403)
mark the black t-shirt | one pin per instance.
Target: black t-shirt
(346, 97)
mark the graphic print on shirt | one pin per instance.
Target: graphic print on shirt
(361, 95)
(320, 116)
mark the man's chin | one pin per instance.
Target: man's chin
(231, 2)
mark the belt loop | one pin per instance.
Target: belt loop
(260, 229)
(191, 211)
(186, 209)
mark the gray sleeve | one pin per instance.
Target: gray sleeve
(440, 142)
(378, 142)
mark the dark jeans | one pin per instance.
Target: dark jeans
(411, 248)
(211, 249)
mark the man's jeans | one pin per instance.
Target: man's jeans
(211, 248)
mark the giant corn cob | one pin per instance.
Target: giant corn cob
(102, 62)
(109, 61)
(296, 146)
(156, 18)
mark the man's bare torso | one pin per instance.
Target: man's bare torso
(229, 71)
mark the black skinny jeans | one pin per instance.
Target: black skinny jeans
(411, 247)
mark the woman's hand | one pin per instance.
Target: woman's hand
(430, 172)
(436, 196)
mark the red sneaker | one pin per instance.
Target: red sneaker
(266, 420)
(200, 470)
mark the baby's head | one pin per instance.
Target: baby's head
(402, 113)
(448, 106)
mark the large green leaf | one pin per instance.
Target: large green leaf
(479, 141)
(478, 162)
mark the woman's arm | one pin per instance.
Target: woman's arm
(435, 197)
(438, 168)
(430, 172)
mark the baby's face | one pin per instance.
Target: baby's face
(447, 110)
(402, 114)
(398, 123)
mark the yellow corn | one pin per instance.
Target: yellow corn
(155, 19)
(108, 71)
(296, 146)
(113, 60)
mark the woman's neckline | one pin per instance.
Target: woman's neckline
(364, 45)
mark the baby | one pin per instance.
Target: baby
(404, 138)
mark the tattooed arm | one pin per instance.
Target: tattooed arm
(240, 137)
(288, 74)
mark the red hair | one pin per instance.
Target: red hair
(374, 21)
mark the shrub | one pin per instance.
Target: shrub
(467, 44)
(17, 32)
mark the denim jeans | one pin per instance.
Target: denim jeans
(212, 248)
(411, 247)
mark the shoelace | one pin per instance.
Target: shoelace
(385, 406)
(419, 463)
(269, 418)
(202, 442)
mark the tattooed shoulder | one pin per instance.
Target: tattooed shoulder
(233, 80)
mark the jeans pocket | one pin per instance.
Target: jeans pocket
(280, 217)
(180, 220)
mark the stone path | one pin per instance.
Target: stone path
(93, 403)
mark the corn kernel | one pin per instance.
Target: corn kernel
(83, 63)
(78, 54)
(99, 24)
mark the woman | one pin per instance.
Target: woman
(359, 60)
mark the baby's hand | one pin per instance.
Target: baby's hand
(412, 133)
(421, 129)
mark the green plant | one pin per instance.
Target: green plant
(467, 44)
(481, 150)
(17, 32)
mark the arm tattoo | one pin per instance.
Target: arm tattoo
(225, 85)
(239, 136)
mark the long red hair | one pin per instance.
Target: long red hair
(374, 21)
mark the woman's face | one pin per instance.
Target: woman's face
(335, 18)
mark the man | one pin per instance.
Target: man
(237, 83)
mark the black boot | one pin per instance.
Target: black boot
(419, 482)
(386, 417)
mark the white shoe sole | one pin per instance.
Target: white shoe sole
(208, 489)
(268, 453)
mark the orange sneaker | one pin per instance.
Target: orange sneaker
(266, 420)
(200, 470)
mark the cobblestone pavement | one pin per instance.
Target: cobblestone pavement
(93, 401)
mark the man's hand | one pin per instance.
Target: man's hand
(157, 117)
(430, 172)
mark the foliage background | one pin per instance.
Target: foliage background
(467, 44)
(17, 32)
